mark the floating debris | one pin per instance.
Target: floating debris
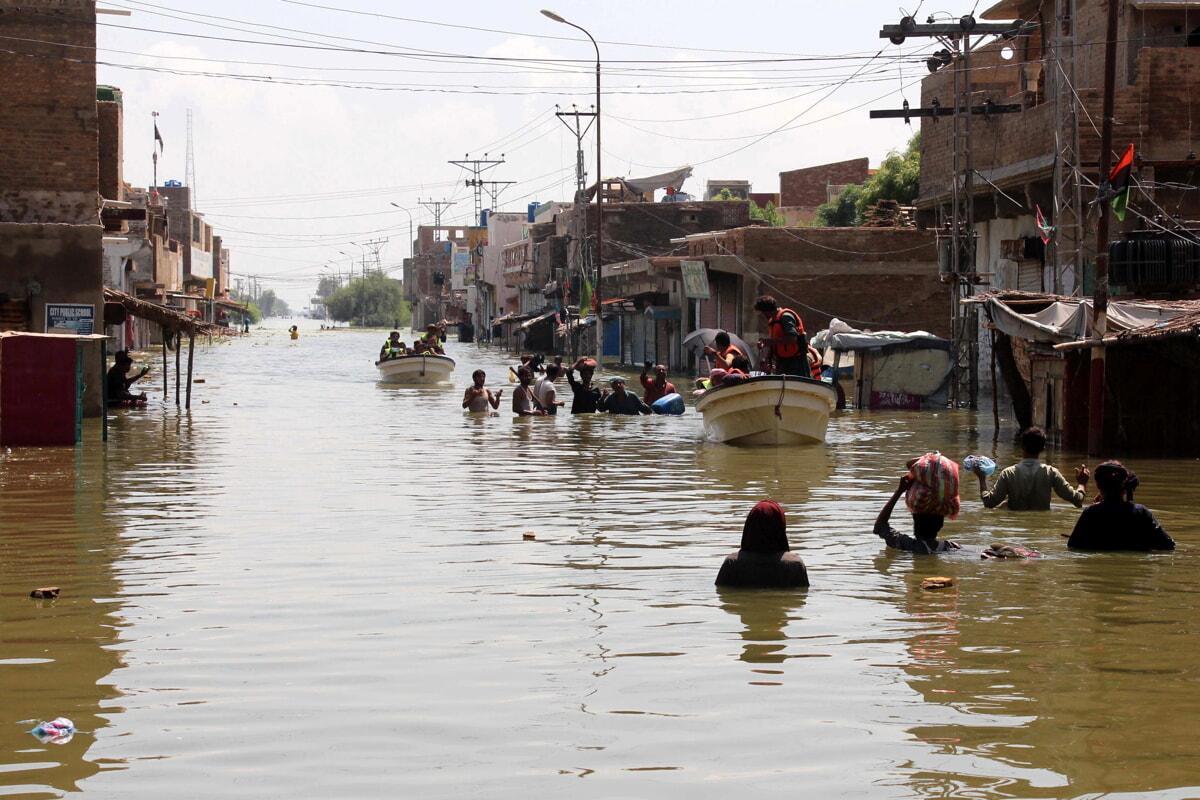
(45, 593)
(937, 582)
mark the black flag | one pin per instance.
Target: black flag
(158, 137)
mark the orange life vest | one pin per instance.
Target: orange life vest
(775, 331)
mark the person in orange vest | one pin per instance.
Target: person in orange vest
(785, 347)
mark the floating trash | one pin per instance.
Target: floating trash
(57, 731)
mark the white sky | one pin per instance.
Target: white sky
(325, 161)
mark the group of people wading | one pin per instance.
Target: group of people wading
(537, 389)
(1113, 521)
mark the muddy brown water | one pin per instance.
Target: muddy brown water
(317, 586)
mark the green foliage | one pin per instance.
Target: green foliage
(272, 305)
(255, 312)
(377, 298)
(327, 286)
(841, 212)
(768, 214)
(898, 178)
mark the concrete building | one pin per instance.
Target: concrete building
(51, 239)
(740, 189)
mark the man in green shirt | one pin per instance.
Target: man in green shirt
(1027, 484)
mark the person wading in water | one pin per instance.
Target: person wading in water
(764, 559)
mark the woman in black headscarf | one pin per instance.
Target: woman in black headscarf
(764, 559)
(1114, 521)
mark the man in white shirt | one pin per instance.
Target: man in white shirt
(545, 392)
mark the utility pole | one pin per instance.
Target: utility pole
(478, 166)
(578, 130)
(1096, 377)
(189, 173)
(493, 190)
(437, 207)
(1068, 209)
(958, 38)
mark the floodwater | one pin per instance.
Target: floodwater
(315, 586)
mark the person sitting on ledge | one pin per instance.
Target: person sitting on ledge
(119, 381)
(1115, 522)
(764, 559)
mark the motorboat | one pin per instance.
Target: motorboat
(424, 368)
(768, 410)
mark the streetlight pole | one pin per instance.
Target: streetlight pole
(411, 245)
(597, 294)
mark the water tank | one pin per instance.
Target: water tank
(531, 214)
(483, 217)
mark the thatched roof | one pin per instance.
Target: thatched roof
(168, 318)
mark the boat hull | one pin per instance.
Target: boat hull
(745, 413)
(416, 369)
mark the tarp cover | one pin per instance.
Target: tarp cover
(1070, 320)
(674, 179)
(840, 336)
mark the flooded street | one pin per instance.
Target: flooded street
(318, 586)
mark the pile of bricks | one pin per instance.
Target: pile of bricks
(889, 214)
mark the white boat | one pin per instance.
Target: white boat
(415, 369)
(768, 410)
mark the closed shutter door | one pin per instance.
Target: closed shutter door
(1029, 276)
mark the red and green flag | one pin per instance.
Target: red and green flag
(1118, 182)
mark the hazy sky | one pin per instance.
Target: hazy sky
(292, 174)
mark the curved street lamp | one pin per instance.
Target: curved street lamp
(596, 295)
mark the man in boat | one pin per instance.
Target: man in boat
(432, 341)
(524, 404)
(119, 382)
(1027, 484)
(392, 347)
(586, 397)
(722, 352)
(785, 347)
(619, 401)
(657, 387)
(477, 398)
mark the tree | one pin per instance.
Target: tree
(327, 286)
(376, 298)
(898, 178)
(767, 214)
(272, 305)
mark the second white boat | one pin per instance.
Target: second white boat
(415, 369)
(768, 410)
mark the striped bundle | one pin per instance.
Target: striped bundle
(934, 487)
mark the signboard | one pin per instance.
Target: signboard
(695, 280)
(73, 318)
(469, 275)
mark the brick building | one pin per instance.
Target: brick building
(50, 232)
(430, 275)
(1054, 68)
(801, 191)
(1157, 82)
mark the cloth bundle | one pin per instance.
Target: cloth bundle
(934, 487)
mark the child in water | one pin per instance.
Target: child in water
(930, 488)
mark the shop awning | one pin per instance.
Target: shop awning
(173, 321)
(545, 315)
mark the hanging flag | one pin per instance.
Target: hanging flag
(158, 137)
(585, 298)
(1046, 229)
(1118, 182)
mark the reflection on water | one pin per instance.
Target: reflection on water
(315, 584)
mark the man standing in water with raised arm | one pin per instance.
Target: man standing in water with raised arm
(1027, 484)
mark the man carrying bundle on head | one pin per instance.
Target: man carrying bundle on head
(785, 347)
(930, 490)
